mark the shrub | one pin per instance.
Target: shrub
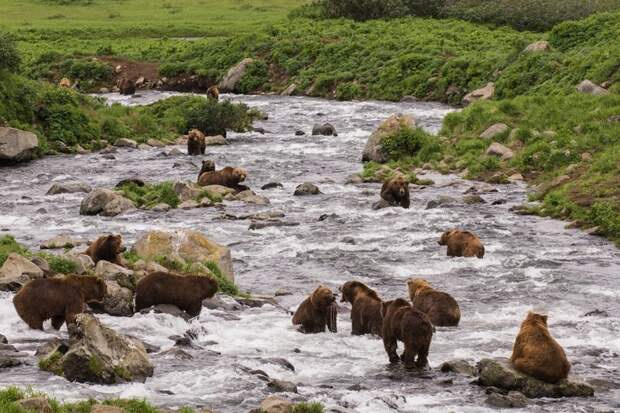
(9, 57)
(8, 245)
(411, 142)
(255, 77)
(365, 9)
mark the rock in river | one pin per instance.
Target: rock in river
(17, 145)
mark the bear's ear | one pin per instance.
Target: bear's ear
(544, 318)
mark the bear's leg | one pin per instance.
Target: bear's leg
(72, 310)
(58, 321)
(36, 323)
(194, 309)
(408, 357)
(423, 356)
(390, 345)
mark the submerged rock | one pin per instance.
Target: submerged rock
(281, 386)
(62, 241)
(441, 201)
(326, 129)
(105, 202)
(169, 309)
(272, 185)
(513, 399)
(458, 366)
(306, 188)
(69, 188)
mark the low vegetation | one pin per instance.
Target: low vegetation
(58, 264)
(150, 195)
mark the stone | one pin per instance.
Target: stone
(484, 93)
(101, 408)
(494, 131)
(326, 129)
(221, 302)
(35, 405)
(458, 366)
(272, 185)
(118, 300)
(215, 140)
(373, 151)
(175, 152)
(97, 354)
(105, 202)
(586, 156)
(539, 46)
(354, 179)
(113, 272)
(41, 263)
(306, 188)
(249, 197)
(219, 190)
(274, 404)
(17, 145)
(499, 150)
(441, 201)
(290, 90)
(126, 143)
(513, 399)
(473, 199)
(299, 132)
(234, 75)
(69, 188)
(156, 143)
(590, 88)
(189, 204)
(3, 339)
(169, 309)
(62, 241)
(187, 191)
(515, 178)
(83, 263)
(17, 271)
(381, 204)
(161, 207)
(191, 246)
(281, 386)
(500, 373)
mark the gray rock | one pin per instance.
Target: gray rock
(155, 143)
(484, 93)
(306, 188)
(234, 75)
(41, 263)
(381, 204)
(354, 179)
(126, 143)
(590, 88)
(189, 204)
(494, 131)
(274, 223)
(513, 399)
(113, 272)
(187, 191)
(473, 199)
(272, 185)
(83, 263)
(326, 129)
(220, 302)
(17, 145)
(290, 90)
(62, 241)
(249, 197)
(215, 140)
(118, 300)
(3, 339)
(284, 363)
(281, 386)
(373, 151)
(17, 271)
(69, 188)
(441, 201)
(458, 366)
(499, 150)
(169, 309)
(105, 202)
(299, 132)
(539, 46)
(161, 207)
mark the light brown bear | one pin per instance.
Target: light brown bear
(365, 308)
(536, 353)
(213, 93)
(317, 311)
(108, 248)
(396, 191)
(60, 299)
(402, 322)
(462, 244)
(229, 177)
(196, 143)
(441, 308)
(184, 291)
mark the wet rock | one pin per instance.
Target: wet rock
(354, 179)
(458, 366)
(306, 188)
(515, 178)
(220, 302)
(357, 387)
(282, 292)
(513, 399)
(101, 408)
(108, 156)
(485, 93)
(139, 182)
(113, 272)
(381, 204)
(248, 197)
(281, 386)
(442, 201)
(409, 99)
(596, 313)
(189, 204)
(494, 131)
(590, 88)
(126, 143)
(62, 241)
(169, 309)
(373, 151)
(274, 404)
(219, 190)
(176, 353)
(539, 46)
(266, 224)
(262, 131)
(17, 145)
(499, 150)
(118, 300)
(191, 246)
(272, 185)
(98, 354)
(499, 202)
(285, 364)
(290, 90)
(175, 152)
(161, 208)
(42, 264)
(473, 199)
(35, 405)
(257, 301)
(326, 129)
(234, 75)
(3, 339)
(299, 133)
(348, 240)
(69, 188)
(17, 271)
(10, 357)
(155, 143)
(500, 373)
(187, 191)
(331, 217)
(215, 140)
(105, 202)
(83, 263)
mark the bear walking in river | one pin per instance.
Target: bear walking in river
(395, 191)
(196, 143)
(462, 244)
(441, 308)
(365, 308)
(317, 311)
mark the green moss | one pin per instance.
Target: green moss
(213, 197)
(95, 366)
(8, 245)
(150, 195)
(52, 364)
(122, 373)
(131, 257)
(226, 286)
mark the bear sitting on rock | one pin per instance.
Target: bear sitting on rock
(196, 143)
(229, 177)
(365, 308)
(402, 322)
(441, 308)
(317, 311)
(106, 248)
(184, 291)
(536, 353)
(462, 244)
(60, 299)
(395, 191)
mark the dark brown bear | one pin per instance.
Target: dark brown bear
(127, 86)
(60, 299)
(213, 93)
(207, 166)
(536, 353)
(317, 311)
(402, 322)
(229, 177)
(440, 307)
(462, 244)
(396, 191)
(184, 291)
(196, 143)
(365, 308)
(108, 248)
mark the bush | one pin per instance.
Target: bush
(411, 142)
(9, 57)
(255, 77)
(365, 9)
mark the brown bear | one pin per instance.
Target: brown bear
(441, 308)
(365, 308)
(403, 322)
(196, 143)
(229, 177)
(536, 353)
(462, 244)
(108, 248)
(60, 299)
(213, 93)
(396, 191)
(317, 311)
(207, 166)
(126, 86)
(184, 291)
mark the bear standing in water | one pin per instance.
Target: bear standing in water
(108, 248)
(365, 308)
(196, 143)
(462, 244)
(317, 311)
(536, 353)
(395, 191)
(402, 322)
(213, 93)
(60, 299)
(440, 307)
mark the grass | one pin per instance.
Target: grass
(8, 245)
(150, 195)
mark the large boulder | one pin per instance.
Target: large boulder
(105, 202)
(307, 188)
(118, 300)
(234, 75)
(249, 197)
(374, 149)
(484, 93)
(9, 356)
(62, 241)
(69, 188)
(187, 190)
(113, 272)
(17, 145)
(539, 46)
(499, 150)
(494, 131)
(274, 404)
(500, 373)
(190, 246)
(215, 140)
(590, 88)
(17, 271)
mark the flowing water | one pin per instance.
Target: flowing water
(530, 263)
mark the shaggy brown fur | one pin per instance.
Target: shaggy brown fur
(230, 177)
(365, 308)
(127, 86)
(60, 299)
(108, 248)
(403, 322)
(196, 143)
(462, 244)
(396, 191)
(317, 311)
(536, 353)
(207, 166)
(183, 291)
(440, 307)
(213, 93)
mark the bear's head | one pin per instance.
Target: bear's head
(322, 297)
(351, 289)
(388, 307)
(400, 185)
(535, 318)
(239, 174)
(114, 244)
(208, 285)
(416, 286)
(445, 237)
(195, 135)
(207, 166)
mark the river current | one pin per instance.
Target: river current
(531, 263)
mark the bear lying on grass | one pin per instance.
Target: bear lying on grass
(441, 308)
(365, 308)
(60, 299)
(317, 311)
(462, 244)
